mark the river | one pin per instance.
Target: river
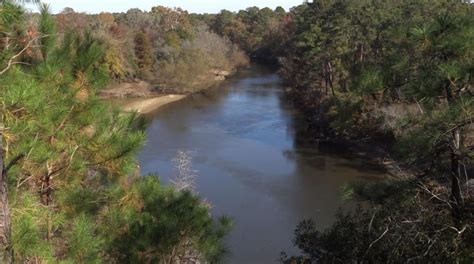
(253, 162)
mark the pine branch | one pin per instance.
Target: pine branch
(116, 157)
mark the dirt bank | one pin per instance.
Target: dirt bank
(147, 105)
(131, 89)
(145, 97)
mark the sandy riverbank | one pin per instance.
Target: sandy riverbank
(147, 105)
(143, 97)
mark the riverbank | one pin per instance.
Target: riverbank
(148, 105)
(144, 98)
(369, 143)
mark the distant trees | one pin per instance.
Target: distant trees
(106, 20)
(262, 33)
(69, 19)
(144, 54)
(198, 60)
(150, 45)
(176, 20)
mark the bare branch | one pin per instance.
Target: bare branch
(12, 61)
(371, 222)
(185, 179)
(12, 163)
(376, 240)
(433, 195)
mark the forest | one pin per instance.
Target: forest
(397, 75)
(394, 77)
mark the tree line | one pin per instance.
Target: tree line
(168, 47)
(397, 74)
(261, 33)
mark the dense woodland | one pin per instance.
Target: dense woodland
(397, 74)
(392, 74)
(163, 46)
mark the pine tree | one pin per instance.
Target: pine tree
(157, 224)
(415, 57)
(10, 15)
(65, 142)
(71, 168)
(47, 27)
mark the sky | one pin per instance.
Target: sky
(194, 6)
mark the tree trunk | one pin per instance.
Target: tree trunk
(330, 79)
(456, 193)
(6, 254)
(325, 76)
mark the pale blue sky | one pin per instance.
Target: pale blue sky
(198, 6)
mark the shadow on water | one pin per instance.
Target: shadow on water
(256, 161)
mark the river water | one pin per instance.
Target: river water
(254, 162)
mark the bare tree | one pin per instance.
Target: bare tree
(185, 178)
(13, 60)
